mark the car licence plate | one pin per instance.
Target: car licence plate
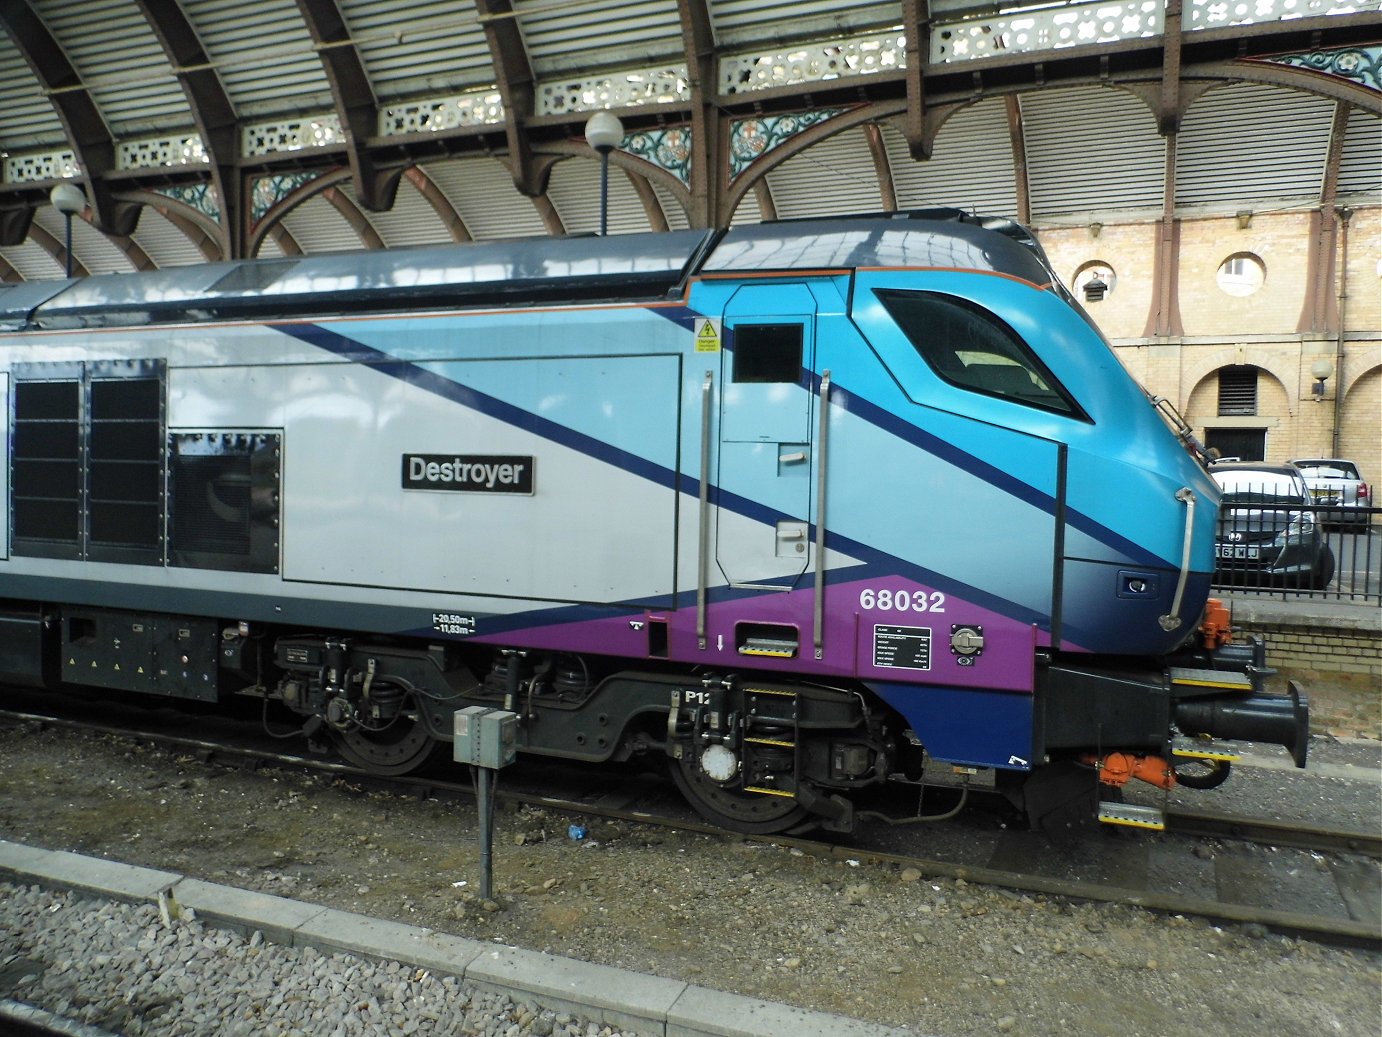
(1237, 551)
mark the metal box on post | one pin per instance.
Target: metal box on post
(485, 737)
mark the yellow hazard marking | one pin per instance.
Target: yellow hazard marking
(707, 335)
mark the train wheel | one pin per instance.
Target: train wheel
(401, 748)
(751, 813)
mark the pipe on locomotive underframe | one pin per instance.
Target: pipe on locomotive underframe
(1279, 719)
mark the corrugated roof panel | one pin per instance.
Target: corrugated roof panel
(835, 177)
(318, 227)
(671, 208)
(1249, 143)
(1360, 171)
(1091, 148)
(268, 249)
(574, 189)
(411, 221)
(131, 82)
(483, 193)
(747, 211)
(165, 244)
(599, 36)
(411, 49)
(971, 164)
(263, 54)
(31, 262)
(96, 251)
(768, 24)
(30, 121)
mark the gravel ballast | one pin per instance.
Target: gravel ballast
(935, 956)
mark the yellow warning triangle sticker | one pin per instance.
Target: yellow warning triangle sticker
(707, 331)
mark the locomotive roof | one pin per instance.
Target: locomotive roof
(632, 267)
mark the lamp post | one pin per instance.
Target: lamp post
(69, 200)
(603, 132)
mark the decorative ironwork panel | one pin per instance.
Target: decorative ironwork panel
(1362, 65)
(161, 151)
(479, 108)
(665, 85)
(269, 138)
(45, 165)
(814, 62)
(1213, 14)
(751, 139)
(270, 190)
(1051, 29)
(669, 148)
(201, 197)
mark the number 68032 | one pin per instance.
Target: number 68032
(884, 600)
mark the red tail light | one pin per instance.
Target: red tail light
(1363, 492)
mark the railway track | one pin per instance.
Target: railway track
(1224, 868)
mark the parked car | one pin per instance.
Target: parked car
(1267, 532)
(1338, 483)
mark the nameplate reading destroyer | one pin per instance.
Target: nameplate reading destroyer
(468, 473)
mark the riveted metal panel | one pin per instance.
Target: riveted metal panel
(120, 60)
(1249, 144)
(1091, 149)
(30, 121)
(831, 178)
(636, 32)
(419, 49)
(971, 164)
(482, 191)
(263, 54)
(1360, 172)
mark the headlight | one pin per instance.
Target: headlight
(1301, 526)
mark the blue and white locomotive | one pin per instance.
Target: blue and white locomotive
(801, 507)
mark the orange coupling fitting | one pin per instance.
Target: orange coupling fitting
(1118, 769)
(1216, 627)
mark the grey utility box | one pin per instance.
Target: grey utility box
(485, 737)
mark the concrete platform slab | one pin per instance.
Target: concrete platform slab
(613, 997)
(91, 875)
(331, 930)
(245, 911)
(710, 1013)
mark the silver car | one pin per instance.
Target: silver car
(1267, 532)
(1337, 483)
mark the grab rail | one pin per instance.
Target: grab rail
(703, 549)
(818, 618)
(1172, 619)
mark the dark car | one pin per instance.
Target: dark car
(1267, 532)
(1337, 483)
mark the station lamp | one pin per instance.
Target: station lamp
(69, 200)
(603, 132)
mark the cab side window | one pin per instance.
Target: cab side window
(973, 349)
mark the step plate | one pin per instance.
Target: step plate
(1133, 816)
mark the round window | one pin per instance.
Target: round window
(1241, 274)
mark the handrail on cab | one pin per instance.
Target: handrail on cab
(1172, 619)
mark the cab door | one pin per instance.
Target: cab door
(765, 451)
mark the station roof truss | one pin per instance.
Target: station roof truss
(202, 131)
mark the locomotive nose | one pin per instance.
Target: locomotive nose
(1277, 719)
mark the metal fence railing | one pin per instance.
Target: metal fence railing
(1299, 550)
